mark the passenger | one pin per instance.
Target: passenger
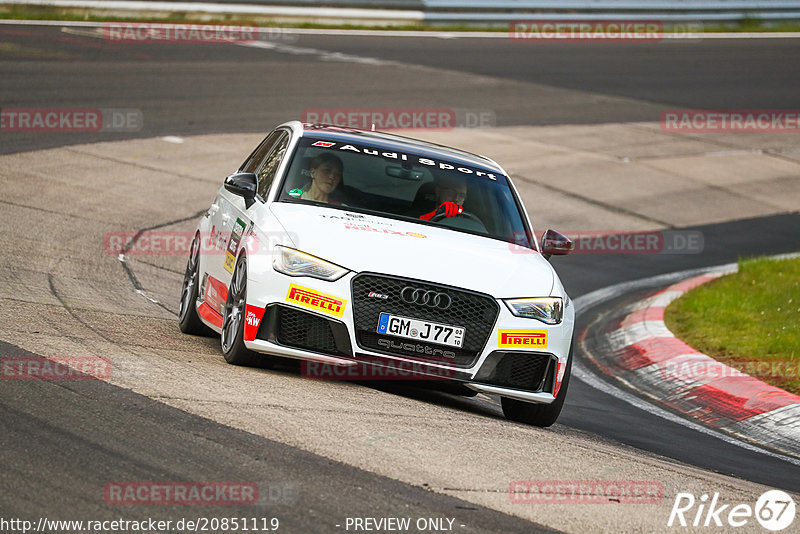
(326, 175)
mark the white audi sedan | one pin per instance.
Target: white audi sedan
(374, 256)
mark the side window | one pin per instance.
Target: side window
(260, 152)
(266, 172)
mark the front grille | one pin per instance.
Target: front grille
(299, 329)
(475, 312)
(520, 370)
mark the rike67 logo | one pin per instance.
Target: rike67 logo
(774, 510)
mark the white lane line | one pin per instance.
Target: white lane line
(664, 299)
(635, 333)
(743, 35)
(323, 55)
(589, 300)
(94, 33)
(663, 379)
(588, 377)
(145, 295)
(409, 33)
(172, 139)
(592, 379)
(274, 45)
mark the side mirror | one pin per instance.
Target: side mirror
(556, 244)
(243, 184)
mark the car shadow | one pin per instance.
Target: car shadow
(442, 394)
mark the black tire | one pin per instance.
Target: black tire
(188, 320)
(541, 415)
(232, 339)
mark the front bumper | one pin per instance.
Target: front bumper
(337, 335)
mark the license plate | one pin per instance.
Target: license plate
(443, 334)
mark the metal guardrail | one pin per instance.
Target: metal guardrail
(663, 10)
(613, 5)
(721, 16)
(376, 4)
(561, 5)
(471, 11)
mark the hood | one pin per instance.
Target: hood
(364, 243)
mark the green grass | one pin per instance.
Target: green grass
(751, 25)
(33, 12)
(15, 12)
(749, 320)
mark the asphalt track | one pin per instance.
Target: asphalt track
(60, 455)
(190, 89)
(55, 457)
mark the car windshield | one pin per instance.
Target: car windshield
(404, 185)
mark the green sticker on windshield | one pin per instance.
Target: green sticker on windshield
(295, 192)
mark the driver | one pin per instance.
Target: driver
(326, 175)
(450, 195)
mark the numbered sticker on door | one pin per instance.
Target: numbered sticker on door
(233, 245)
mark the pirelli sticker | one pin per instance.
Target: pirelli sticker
(233, 245)
(315, 300)
(522, 339)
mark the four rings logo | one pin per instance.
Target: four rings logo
(421, 297)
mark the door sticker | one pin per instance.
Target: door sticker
(233, 245)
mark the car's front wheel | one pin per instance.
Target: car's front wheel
(542, 415)
(232, 339)
(188, 320)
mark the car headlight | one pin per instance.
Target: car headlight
(295, 263)
(548, 310)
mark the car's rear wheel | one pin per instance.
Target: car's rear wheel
(542, 415)
(188, 319)
(232, 339)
